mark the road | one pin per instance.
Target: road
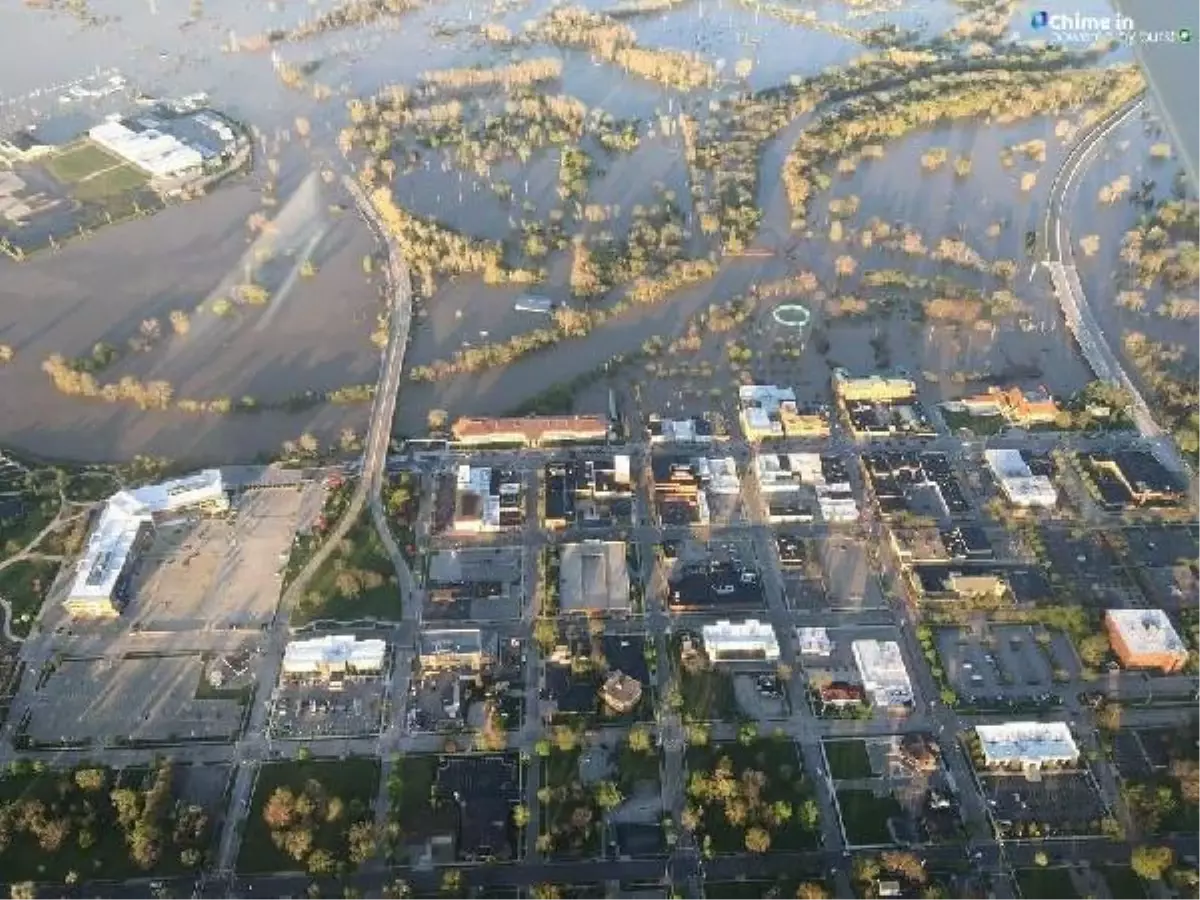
(253, 746)
(1060, 261)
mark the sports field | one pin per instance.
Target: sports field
(92, 173)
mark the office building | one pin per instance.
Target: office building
(530, 431)
(872, 388)
(125, 525)
(1017, 482)
(333, 657)
(884, 676)
(734, 641)
(1029, 745)
(813, 641)
(1145, 639)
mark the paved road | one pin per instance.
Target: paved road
(254, 745)
(1060, 261)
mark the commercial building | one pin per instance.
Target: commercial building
(1018, 407)
(452, 648)
(696, 430)
(841, 693)
(872, 388)
(1145, 639)
(593, 576)
(1133, 478)
(1017, 481)
(125, 524)
(759, 409)
(813, 641)
(596, 492)
(960, 580)
(531, 431)
(733, 641)
(883, 673)
(333, 657)
(487, 499)
(1029, 745)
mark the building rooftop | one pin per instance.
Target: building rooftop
(451, 641)
(113, 536)
(884, 675)
(593, 575)
(1026, 742)
(813, 641)
(531, 429)
(750, 639)
(1146, 631)
(334, 651)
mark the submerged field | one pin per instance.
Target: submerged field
(638, 170)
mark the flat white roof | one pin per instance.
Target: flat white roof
(768, 396)
(113, 536)
(814, 641)
(1007, 463)
(881, 667)
(1146, 630)
(332, 651)
(1027, 742)
(750, 636)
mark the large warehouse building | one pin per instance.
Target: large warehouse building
(1145, 639)
(102, 573)
(167, 145)
(1017, 481)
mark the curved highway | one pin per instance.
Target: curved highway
(1060, 261)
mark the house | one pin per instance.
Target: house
(620, 693)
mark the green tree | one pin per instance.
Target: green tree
(520, 815)
(91, 780)
(321, 862)
(1149, 863)
(810, 890)
(757, 840)
(608, 795)
(810, 815)
(640, 740)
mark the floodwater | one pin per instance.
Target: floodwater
(313, 334)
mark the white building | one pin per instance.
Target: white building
(759, 409)
(884, 676)
(813, 642)
(680, 431)
(476, 508)
(720, 475)
(778, 472)
(161, 155)
(1031, 744)
(731, 641)
(333, 656)
(127, 518)
(1018, 484)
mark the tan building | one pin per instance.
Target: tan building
(804, 423)
(1145, 639)
(872, 388)
(531, 431)
(1017, 406)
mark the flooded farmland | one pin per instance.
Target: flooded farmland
(286, 228)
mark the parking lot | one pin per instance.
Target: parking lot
(474, 583)
(1157, 545)
(314, 710)
(1008, 661)
(130, 699)
(849, 581)
(1083, 562)
(1057, 803)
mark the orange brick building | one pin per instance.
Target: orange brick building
(1145, 639)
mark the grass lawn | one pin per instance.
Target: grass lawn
(410, 800)
(785, 783)
(356, 582)
(848, 759)
(1046, 883)
(107, 856)
(980, 425)
(707, 695)
(80, 159)
(865, 816)
(355, 781)
(24, 585)
(122, 179)
(1123, 882)
(570, 816)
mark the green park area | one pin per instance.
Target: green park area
(311, 816)
(92, 173)
(848, 759)
(750, 796)
(24, 584)
(93, 823)
(357, 580)
(865, 816)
